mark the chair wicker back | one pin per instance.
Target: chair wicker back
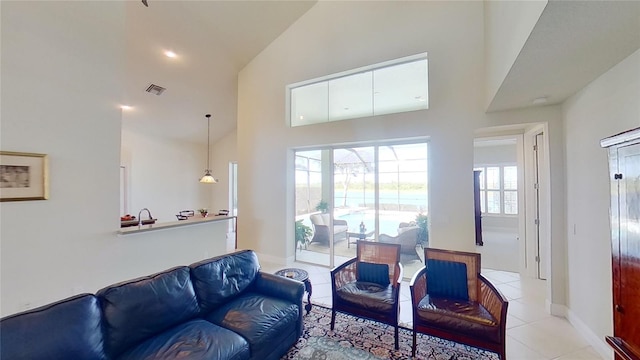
(367, 303)
(379, 253)
(472, 260)
(482, 295)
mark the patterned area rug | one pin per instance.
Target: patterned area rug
(355, 338)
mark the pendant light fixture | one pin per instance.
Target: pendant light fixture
(208, 178)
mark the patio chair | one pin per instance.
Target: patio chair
(452, 301)
(321, 223)
(368, 285)
(407, 238)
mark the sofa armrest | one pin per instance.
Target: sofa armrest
(280, 287)
(283, 288)
(493, 300)
(339, 222)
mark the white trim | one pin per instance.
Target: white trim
(556, 309)
(385, 64)
(598, 344)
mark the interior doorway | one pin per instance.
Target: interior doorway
(495, 152)
(498, 163)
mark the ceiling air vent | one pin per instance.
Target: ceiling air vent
(155, 89)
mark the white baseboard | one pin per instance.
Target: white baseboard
(556, 309)
(593, 339)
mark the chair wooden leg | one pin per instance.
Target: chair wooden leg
(396, 337)
(413, 347)
(333, 318)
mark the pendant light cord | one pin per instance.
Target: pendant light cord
(208, 134)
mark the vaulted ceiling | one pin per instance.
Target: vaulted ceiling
(213, 41)
(572, 43)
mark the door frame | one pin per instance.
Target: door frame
(544, 207)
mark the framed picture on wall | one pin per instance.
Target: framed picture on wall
(23, 176)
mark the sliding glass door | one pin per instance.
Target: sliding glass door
(375, 192)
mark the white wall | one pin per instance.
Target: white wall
(507, 27)
(605, 107)
(164, 175)
(222, 152)
(62, 75)
(337, 36)
(363, 33)
(495, 155)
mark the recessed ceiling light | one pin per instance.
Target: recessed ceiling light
(301, 117)
(540, 100)
(170, 54)
(126, 107)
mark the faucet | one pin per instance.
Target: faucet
(140, 219)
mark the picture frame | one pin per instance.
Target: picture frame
(23, 176)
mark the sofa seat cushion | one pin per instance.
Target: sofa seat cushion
(467, 317)
(367, 295)
(263, 321)
(194, 340)
(67, 329)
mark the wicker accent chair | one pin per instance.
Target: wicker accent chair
(439, 310)
(321, 223)
(407, 238)
(368, 285)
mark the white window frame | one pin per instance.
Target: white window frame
(364, 69)
(484, 191)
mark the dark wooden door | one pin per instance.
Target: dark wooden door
(477, 209)
(626, 246)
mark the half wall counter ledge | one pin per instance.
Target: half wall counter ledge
(191, 221)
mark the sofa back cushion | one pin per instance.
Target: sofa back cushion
(373, 273)
(447, 279)
(67, 329)
(220, 279)
(137, 309)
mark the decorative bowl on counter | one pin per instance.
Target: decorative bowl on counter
(127, 223)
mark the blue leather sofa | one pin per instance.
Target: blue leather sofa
(219, 308)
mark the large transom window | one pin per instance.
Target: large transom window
(391, 87)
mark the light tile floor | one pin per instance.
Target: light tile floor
(532, 334)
